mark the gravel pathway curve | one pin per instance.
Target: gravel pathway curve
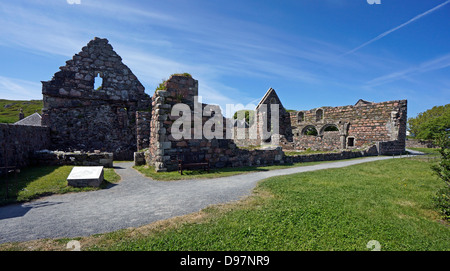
(133, 202)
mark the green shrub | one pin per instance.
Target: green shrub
(442, 170)
(162, 85)
(183, 74)
(442, 201)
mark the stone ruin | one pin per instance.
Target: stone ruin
(82, 117)
(116, 116)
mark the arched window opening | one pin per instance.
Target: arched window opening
(331, 128)
(310, 130)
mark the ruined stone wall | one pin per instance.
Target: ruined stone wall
(59, 158)
(143, 129)
(243, 138)
(358, 126)
(417, 143)
(371, 151)
(165, 148)
(265, 128)
(19, 142)
(328, 141)
(87, 119)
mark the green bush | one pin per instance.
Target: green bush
(427, 125)
(442, 201)
(442, 170)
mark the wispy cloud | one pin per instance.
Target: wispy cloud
(396, 28)
(431, 65)
(17, 89)
(76, 2)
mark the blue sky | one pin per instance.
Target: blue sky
(313, 53)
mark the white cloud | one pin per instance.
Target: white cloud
(441, 62)
(76, 2)
(17, 89)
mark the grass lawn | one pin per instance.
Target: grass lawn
(429, 151)
(36, 182)
(390, 201)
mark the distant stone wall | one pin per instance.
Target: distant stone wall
(372, 151)
(395, 147)
(19, 142)
(417, 143)
(360, 125)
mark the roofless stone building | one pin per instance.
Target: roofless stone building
(84, 117)
(95, 103)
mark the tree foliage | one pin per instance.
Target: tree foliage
(427, 125)
(442, 170)
(249, 115)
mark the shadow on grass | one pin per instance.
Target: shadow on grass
(41, 181)
(16, 183)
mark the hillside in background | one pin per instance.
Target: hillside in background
(9, 109)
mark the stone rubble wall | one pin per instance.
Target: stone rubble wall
(164, 149)
(371, 151)
(82, 118)
(60, 158)
(366, 124)
(416, 143)
(19, 142)
(394, 147)
(327, 142)
(143, 129)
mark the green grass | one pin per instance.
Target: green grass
(9, 109)
(337, 209)
(430, 151)
(35, 182)
(390, 201)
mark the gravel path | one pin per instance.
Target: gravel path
(135, 201)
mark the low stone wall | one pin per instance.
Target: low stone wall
(395, 147)
(59, 158)
(18, 143)
(372, 151)
(220, 156)
(417, 143)
(260, 157)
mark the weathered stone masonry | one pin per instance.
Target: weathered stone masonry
(83, 118)
(349, 127)
(120, 118)
(18, 144)
(164, 148)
